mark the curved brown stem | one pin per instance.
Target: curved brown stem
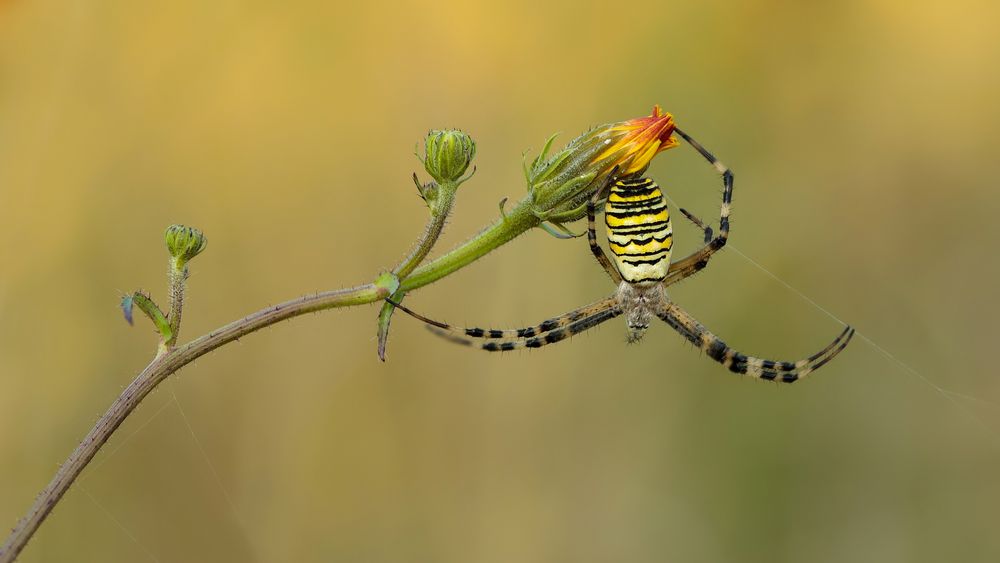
(159, 369)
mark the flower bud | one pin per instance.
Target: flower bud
(184, 243)
(448, 154)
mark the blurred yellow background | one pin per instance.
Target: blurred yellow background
(863, 137)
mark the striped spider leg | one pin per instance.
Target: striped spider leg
(640, 237)
(758, 368)
(696, 261)
(595, 248)
(547, 332)
(637, 305)
(698, 223)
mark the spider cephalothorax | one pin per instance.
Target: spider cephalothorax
(639, 303)
(640, 237)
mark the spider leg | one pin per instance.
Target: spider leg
(551, 337)
(595, 248)
(697, 260)
(787, 372)
(548, 332)
(698, 223)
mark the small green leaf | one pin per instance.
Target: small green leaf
(152, 310)
(384, 320)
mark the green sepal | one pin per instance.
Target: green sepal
(542, 170)
(551, 226)
(563, 202)
(567, 216)
(546, 147)
(422, 190)
(503, 212)
(539, 160)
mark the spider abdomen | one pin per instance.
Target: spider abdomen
(639, 231)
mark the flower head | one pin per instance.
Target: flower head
(568, 178)
(632, 144)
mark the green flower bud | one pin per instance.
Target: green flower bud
(448, 154)
(184, 243)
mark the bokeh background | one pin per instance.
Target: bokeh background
(863, 136)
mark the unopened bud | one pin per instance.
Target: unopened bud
(184, 243)
(448, 154)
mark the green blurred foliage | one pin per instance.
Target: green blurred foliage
(863, 136)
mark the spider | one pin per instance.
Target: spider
(640, 237)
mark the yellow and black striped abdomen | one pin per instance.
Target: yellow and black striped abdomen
(639, 231)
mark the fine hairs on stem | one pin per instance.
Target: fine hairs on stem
(557, 185)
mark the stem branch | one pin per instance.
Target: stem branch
(519, 220)
(445, 201)
(514, 223)
(177, 277)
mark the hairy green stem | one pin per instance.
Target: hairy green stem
(444, 199)
(443, 205)
(177, 277)
(514, 223)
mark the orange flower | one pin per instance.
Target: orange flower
(563, 182)
(635, 142)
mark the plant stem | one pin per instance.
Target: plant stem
(516, 222)
(445, 201)
(440, 210)
(177, 276)
(159, 369)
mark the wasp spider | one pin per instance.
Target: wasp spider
(641, 239)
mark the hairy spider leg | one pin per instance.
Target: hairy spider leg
(595, 248)
(570, 323)
(736, 362)
(552, 336)
(697, 260)
(698, 223)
